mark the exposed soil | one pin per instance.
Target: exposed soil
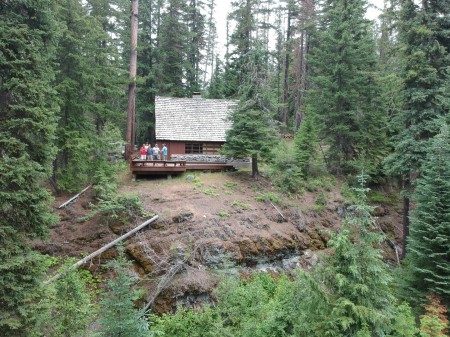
(209, 224)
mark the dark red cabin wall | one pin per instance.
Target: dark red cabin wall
(172, 147)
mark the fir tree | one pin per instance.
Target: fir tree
(72, 303)
(429, 241)
(172, 49)
(252, 132)
(119, 318)
(424, 34)
(27, 127)
(87, 87)
(344, 94)
(349, 293)
(305, 143)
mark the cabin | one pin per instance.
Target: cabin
(192, 127)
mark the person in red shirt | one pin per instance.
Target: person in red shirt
(143, 152)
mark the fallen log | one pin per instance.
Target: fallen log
(101, 250)
(74, 197)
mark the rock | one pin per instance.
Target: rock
(291, 263)
(380, 211)
(190, 177)
(340, 210)
(183, 216)
(309, 259)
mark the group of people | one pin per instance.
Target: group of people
(153, 153)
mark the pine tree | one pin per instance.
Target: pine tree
(172, 50)
(72, 303)
(305, 143)
(349, 293)
(119, 318)
(423, 32)
(252, 132)
(344, 94)
(216, 88)
(27, 128)
(87, 88)
(195, 45)
(429, 241)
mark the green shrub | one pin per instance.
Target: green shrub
(211, 192)
(284, 171)
(230, 184)
(223, 214)
(379, 197)
(276, 199)
(241, 204)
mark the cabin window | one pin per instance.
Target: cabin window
(193, 148)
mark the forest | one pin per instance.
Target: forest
(322, 91)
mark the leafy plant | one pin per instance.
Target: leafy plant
(321, 199)
(119, 318)
(223, 214)
(379, 197)
(211, 191)
(230, 184)
(269, 196)
(241, 204)
(434, 322)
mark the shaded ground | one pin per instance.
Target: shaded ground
(209, 224)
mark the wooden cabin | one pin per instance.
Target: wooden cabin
(192, 126)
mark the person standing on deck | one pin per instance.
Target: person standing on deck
(143, 152)
(150, 152)
(164, 152)
(156, 152)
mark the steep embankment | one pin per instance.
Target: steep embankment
(210, 224)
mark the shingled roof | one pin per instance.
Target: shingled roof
(192, 119)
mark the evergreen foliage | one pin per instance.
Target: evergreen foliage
(172, 42)
(344, 97)
(27, 127)
(424, 34)
(252, 132)
(119, 318)
(254, 308)
(349, 294)
(72, 304)
(429, 241)
(305, 144)
(434, 322)
(285, 172)
(87, 83)
(187, 323)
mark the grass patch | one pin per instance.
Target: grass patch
(241, 204)
(230, 184)
(315, 208)
(223, 214)
(211, 192)
(314, 184)
(381, 198)
(269, 196)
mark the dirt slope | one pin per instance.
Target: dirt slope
(209, 224)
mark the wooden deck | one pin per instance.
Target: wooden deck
(139, 166)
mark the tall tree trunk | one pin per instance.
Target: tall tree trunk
(284, 117)
(255, 171)
(406, 204)
(131, 117)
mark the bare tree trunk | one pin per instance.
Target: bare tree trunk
(131, 117)
(284, 117)
(255, 171)
(302, 53)
(405, 224)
